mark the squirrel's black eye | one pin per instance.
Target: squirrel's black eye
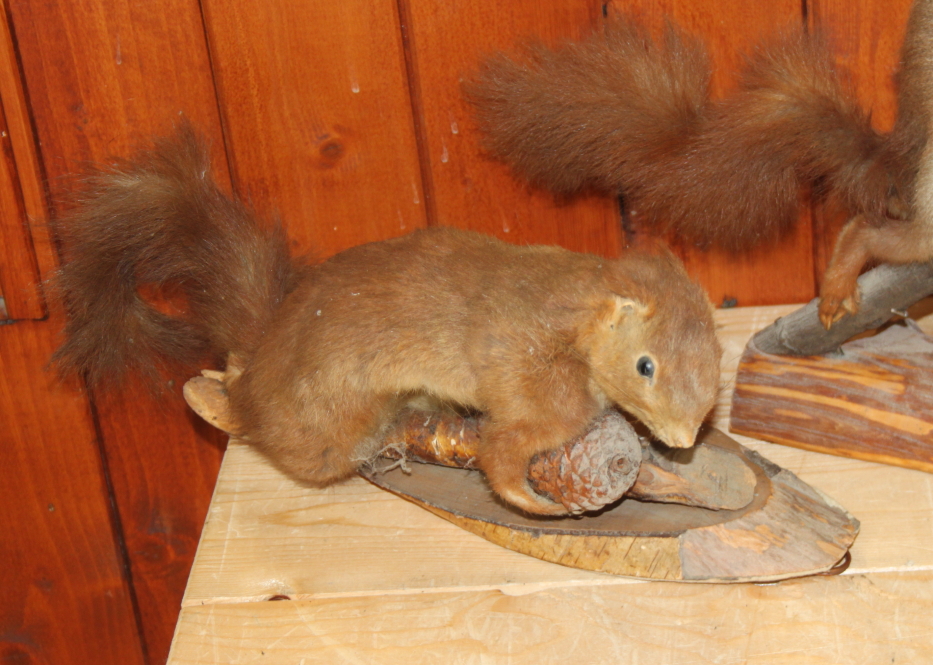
(645, 367)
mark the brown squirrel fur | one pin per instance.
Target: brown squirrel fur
(619, 113)
(320, 359)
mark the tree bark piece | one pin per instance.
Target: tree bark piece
(429, 437)
(886, 290)
(873, 401)
(704, 476)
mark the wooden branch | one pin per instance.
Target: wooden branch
(886, 291)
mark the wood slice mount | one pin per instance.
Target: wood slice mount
(714, 513)
(872, 399)
(788, 530)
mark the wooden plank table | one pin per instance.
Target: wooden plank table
(366, 577)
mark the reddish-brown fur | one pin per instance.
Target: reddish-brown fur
(539, 338)
(619, 113)
(159, 221)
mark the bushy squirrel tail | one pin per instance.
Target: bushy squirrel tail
(161, 221)
(619, 113)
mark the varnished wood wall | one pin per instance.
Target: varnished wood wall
(345, 120)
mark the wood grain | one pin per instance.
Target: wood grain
(874, 401)
(122, 71)
(466, 188)
(24, 149)
(19, 275)
(857, 620)
(318, 119)
(19, 271)
(64, 594)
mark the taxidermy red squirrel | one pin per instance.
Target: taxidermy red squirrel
(618, 113)
(320, 359)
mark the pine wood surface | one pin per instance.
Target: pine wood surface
(64, 593)
(102, 77)
(375, 579)
(18, 270)
(23, 147)
(19, 275)
(317, 117)
(28, 252)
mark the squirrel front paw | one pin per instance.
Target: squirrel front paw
(528, 500)
(510, 482)
(836, 302)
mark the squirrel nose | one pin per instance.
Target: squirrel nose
(680, 437)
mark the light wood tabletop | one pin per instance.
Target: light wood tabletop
(353, 574)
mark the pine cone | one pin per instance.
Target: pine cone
(585, 474)
(591, 471)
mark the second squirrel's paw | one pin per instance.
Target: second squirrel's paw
(835, 305)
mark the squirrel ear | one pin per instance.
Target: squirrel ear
(613, 310)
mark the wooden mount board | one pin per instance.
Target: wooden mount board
(873, 400)
(788, 530)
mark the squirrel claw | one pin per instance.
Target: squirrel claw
(832, 308)
(531, 502)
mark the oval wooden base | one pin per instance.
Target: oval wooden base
(788, 530)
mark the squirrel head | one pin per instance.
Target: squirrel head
(652, 347)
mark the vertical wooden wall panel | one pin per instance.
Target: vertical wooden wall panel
(64, 598)
(783, 271)
(102, 76)
(27, 251)
(317, 115)
(446, 42)
(19, 273)
(866, 36)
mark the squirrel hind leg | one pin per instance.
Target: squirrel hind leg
(322, 440)
(861, 240)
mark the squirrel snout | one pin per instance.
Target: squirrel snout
(679, 437)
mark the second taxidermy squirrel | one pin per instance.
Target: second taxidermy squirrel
(320, 359)
(618, 113)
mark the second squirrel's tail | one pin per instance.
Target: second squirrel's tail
(160, 220)
(618, 113)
